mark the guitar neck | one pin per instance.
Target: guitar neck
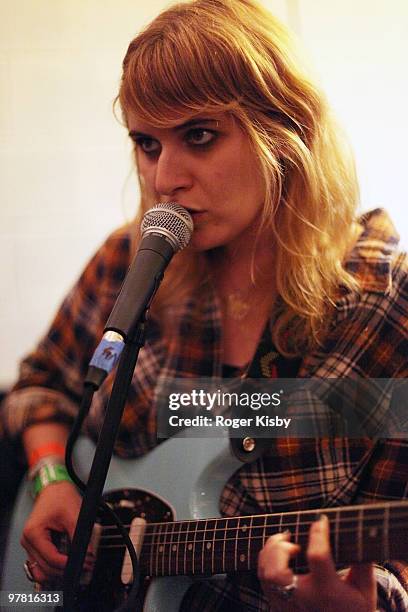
(226, 545)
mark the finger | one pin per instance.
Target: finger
(50, 558)
(362, 577)
(273, 560)
(47, 570)
(35, 572)
(318, 553)
(44, 551)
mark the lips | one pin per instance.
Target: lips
(192, 211)
(198, 217)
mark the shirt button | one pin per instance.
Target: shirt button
(248, 444)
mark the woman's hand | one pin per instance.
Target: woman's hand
(56, 509)
(322, 590)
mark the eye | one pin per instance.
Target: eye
(200, 136)
(150, 146)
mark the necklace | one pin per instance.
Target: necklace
(237, 305)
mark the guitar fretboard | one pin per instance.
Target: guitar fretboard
(227, 545)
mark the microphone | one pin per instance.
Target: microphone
(166, 229)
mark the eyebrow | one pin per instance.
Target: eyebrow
(178, 128)
(193, 122)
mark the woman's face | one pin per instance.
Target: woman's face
(207, 166)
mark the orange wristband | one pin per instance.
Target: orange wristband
(51, 448)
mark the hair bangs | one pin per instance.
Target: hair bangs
(169, 74)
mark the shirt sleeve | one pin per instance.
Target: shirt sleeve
(391, 594)
(385, 478)
(50, 383)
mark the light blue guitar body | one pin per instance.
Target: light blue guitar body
(188, 473)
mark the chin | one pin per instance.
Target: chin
(204, 241)
(200, 247)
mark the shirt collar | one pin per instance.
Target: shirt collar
(371, 258)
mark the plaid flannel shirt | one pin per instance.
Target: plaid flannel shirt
(367, 338)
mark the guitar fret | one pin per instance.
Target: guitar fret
(249, 543)
(203, 547)
(223, 546)
(173, 549)
(165, 550)
(213, 546)
(162, 548)
(194, 546)
(297, 528)
(386, 541)
(360, 535)
(221, 536)
(336, 537)
(158, 548)
(287, 522)
(236, 545)
(186, 547)
(264, 536)
(178, 548)
(154, 529)
(154, 535)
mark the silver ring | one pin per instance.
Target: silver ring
(286, 591)
(28, 569)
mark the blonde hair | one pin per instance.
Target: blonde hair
(233, 56)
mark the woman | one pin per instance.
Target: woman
(227, 123)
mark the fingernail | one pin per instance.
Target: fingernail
(322, 518)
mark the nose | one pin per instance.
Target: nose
(172, 172)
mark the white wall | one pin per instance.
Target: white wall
(360, 48)
(65, 161)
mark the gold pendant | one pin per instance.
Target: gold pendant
(237, 308)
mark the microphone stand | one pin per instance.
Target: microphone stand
(100, 465)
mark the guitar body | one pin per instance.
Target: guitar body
(180, 479)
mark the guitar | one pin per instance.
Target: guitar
(174, 508)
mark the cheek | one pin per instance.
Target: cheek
(244, 176)
(147, 181)
(225, 177)
(247, 191)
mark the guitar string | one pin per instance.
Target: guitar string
(209, 536)
(169, 542)
(157, 534)
(153, 533)
(375, 511)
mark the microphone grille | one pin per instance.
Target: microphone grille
(172, 221)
